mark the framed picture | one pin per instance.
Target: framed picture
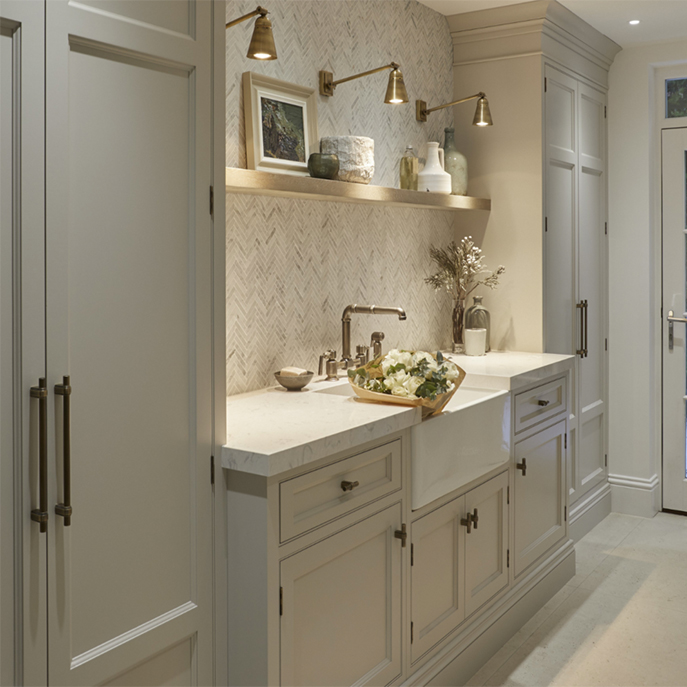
(281, 124)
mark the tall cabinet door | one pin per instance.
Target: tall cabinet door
(23, 617)
(129, 264)
(592, 260)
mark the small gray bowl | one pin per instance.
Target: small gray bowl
(294, 383)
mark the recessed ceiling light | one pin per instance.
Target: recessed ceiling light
(634, 22)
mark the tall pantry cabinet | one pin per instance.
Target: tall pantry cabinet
(107, 329)
(543, 163)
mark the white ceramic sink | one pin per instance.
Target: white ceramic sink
(469, 439)
(336, 389)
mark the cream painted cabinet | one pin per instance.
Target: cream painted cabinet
(575, 261)
(539, 495)
(341, 607)
(106, 344)
(459, 561)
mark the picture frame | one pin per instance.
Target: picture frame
(280, 124)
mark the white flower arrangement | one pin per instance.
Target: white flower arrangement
(408, 374)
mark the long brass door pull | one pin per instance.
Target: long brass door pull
(65, 509)
(40, 514)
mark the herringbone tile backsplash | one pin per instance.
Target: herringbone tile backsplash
(293, 265)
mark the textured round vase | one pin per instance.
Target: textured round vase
(456, 164)
(356, 157)
(433, 178)
(323, 166)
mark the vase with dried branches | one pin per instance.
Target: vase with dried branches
(461, 271)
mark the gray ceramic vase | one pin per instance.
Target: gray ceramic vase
(323, 166)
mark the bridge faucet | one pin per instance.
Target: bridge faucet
(347, 359)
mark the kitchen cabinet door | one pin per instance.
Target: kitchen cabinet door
(341, 612)
(437, 584)
(129, 320)
(539, 495)
(486, 546)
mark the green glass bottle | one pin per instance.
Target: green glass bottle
(410, 166)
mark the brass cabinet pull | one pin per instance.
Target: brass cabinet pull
(65, 509)
(522, 466)
(402, 534)
(475, 518)
(467, 522)
(543, 403)
(349, 486)
(40, 515)
(580, 351)
(586, 328)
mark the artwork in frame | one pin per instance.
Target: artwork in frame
(281, 124)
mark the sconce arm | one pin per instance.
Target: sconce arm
(393, 65)
(421, 110)
(259, 11)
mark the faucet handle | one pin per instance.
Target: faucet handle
(326, 357)
(363, 356)
(376, 343)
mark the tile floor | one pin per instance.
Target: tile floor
(622, 620)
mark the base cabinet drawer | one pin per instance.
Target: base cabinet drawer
(540, 404)
(320, 496)
(341, 613)
(539, 494)
(455, 571)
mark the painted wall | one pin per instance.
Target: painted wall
(293, 265)
(634, 276)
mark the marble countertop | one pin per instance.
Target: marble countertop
(273, 430)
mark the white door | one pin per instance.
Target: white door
(674, 202)
(23, 617)
(128, 270)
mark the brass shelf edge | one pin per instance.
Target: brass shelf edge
(254, 182)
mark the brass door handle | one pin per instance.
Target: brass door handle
(475, 518)
(543, 403)
(467, 522)
(65, 509)
(583, 307)
(586, 329)
(402, 534)
(522, 466)
(40, 514)
(349, 486)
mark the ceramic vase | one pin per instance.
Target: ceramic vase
(433, 178)
(456, 164)
(477, 317)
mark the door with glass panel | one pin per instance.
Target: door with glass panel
(674, 206)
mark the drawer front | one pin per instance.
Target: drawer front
(539, 404)
(311, 500)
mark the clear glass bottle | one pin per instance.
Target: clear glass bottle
(455, 164)
(478, 317)
(410, 166)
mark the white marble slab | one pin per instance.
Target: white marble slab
(511, 370)
(272, 431)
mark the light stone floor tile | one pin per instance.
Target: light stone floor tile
(621, 621)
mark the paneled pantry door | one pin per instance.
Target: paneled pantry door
(674, 204)
(109, 304)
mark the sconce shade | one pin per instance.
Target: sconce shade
(262, 43)
(396, 90)
(482, 113)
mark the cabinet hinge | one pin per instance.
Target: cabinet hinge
(565, 441)
(212, 202)
(565, 513)
(606, 460)
(411, 633)
(412, 554)
(212, 469)
(606, 344)
(546, 224)
(508, 558)
(545, 84)
(508, 495)
(281, 600)
(604, 112)
(606, 228)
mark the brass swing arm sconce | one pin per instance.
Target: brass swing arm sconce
(395, 93)
(262, 42)
(482, 113)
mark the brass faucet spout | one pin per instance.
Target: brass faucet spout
(361, 310)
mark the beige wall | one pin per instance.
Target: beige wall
(292, 266)
(634, 271)
(505, 164)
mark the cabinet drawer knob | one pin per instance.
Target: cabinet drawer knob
(349, 486)
(542, 402)
(522, 466)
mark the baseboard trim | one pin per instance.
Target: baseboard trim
(453, 665)
(589, 511)
(635, 495)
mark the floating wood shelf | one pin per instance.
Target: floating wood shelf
(290, 186)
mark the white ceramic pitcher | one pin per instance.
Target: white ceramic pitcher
(433, 177)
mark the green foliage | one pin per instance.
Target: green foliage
(676, 98)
